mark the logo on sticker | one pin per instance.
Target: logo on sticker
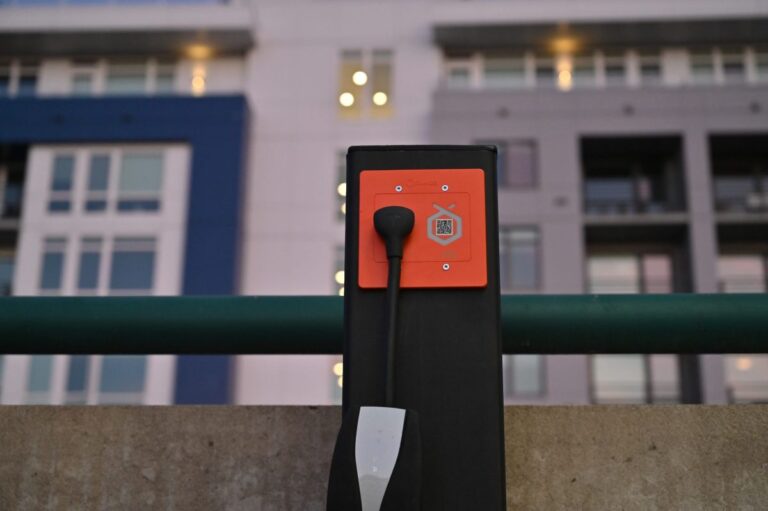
(444, 227)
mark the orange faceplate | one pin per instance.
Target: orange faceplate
(447, 245)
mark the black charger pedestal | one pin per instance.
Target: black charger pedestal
(448, 356)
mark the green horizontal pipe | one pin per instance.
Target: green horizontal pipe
(573, 324)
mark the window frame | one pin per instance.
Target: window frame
(538, 276)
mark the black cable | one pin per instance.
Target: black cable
(394, 224)
(393, 295)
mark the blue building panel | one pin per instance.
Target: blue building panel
(215, 128)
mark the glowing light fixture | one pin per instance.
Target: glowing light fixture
(341, 291)
(339, 277)
(199, 51)
(564, 45)
(360, 78)
(743, 363)
(380, 99)
(344, 208)
(342, 189)
(198, 79)
(347, 99)
(564, 72)
(340, 381)
(338, 368)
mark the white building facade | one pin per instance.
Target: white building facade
(560, 87)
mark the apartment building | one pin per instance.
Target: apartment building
(202, 143)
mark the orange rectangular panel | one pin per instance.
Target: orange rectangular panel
(447, 245)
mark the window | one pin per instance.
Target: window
(165, 77)
(27, 83)
(90, 264)
(381, 83)
(141, 179)
(516, 163)
(133, 266)
(702, 67)
(338, 273)
(365, 83)
(520, 164)
(650, 68)
(743, 273)
(615, 69)
(39, 379)
(545, 72)
(84, 77)
(746, 375)
(746, 378)
(77, 380)
(583, 73)
(5, 77)
(98, 182)
(62, 177)
(630, 273)
(341, 184)
(458, 72)
(122, 379)
(501, 72)
(761, 64)
(128, 181)
(6, 273)
(18, 78)
(523, 375)
(126, 77)
(734, 66)
(519, 258)
(633, 378)
(52, 267)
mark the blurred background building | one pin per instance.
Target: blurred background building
(164, 147)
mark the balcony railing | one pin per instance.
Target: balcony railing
(745, 284)
(623, 207)
(741, 194)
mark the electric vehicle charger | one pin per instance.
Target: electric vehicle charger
(376, 463)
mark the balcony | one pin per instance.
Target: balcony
(82, 28)
(739, 174)
(626, 176)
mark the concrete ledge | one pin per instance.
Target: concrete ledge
(276, 458)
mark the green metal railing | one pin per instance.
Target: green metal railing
(572, 324)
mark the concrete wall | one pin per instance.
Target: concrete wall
(276, 458)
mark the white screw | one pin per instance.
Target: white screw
(446, 267)
(444, 188)
(398, 188)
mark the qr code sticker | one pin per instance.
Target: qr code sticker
(444, 227)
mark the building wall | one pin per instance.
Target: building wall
(287, 231)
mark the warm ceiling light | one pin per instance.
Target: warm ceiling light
(338, 368)
(360, 78)
(347, 99)
(341, 291)
(564, 45)
(198, 85)
(340, 382)
(199, 51)
(380, 99)
(343, 208)
(339, 277)
(342, 189)
(743, 363)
